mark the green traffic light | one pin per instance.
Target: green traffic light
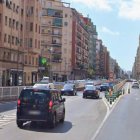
(43, 61)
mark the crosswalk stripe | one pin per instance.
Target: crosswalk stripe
(6, 119)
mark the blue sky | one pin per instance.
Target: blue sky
(118, 25)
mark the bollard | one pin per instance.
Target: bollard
(129, 91)
(123, 91)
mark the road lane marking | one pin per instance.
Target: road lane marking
(6, 119)
(105, 118)
(109, 110)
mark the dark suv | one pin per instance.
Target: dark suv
(40, 105)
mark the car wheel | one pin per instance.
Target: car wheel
(52, 123)
(19, 124)
(63, 118)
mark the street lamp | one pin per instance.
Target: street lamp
(50, 50)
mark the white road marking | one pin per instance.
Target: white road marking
(101, 125)
(6, 119)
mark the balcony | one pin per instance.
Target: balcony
(56, 34)
(57, 22)
(54, 13)
(56, 58)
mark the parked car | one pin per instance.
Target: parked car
(90, 91)
(69, 89)
(135, 85)
(38, 104)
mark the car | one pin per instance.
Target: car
(69, 89)
(90, 91)
(135, 85)
(38, 104)
(49, 85)
(89, 83)
(104, 87)
(45, 82)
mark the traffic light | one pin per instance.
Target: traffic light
(42, 61)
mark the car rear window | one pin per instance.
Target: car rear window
(90, 88)
(68, 86)
(39, 96)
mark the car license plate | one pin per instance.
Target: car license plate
(33, 112)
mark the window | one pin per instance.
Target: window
(33, 61)
(57, 22)
(66, 23)
(21, 27)
(39, 29)
(36, 61)
(39, 44)
(9, 22)
(13, 38)
(0, 17)
(32, 10)
(35, 43)
(9, 39)
(0, 36)
(30, 42)
(5, 20)
(17, 8)
(21, 42)
(13, 23)
(22, 12)
(29, 59)
(14, 7)
(36, 27)
(66, 15)
(31, 26)
(17, 25)
(5, 37)
(25, 59)
(17, 41)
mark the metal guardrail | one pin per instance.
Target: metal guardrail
(10, 93)
(111, 96)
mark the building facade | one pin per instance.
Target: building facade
(136, 66)
(80, 46)
(11, 47)
(31, 39)
(92, 47)
(56, 38)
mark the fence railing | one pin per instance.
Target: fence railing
(10, 93)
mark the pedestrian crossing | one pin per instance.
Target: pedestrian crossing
(6, 119)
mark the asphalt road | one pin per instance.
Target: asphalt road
(123, 122)
(83, 118)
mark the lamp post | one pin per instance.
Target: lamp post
(50, 50)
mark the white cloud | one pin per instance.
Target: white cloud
(130, 9)
(110, 32)
(98, 4)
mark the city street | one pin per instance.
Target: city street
(123, 122)
(83, 117)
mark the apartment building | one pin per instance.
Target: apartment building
(136, 67)
(80, 46)
(11, 47)
(31, 19)
(106, 62)
(56, 36)
(92, 45)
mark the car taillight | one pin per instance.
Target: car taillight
(18, 102)
(50, 104)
